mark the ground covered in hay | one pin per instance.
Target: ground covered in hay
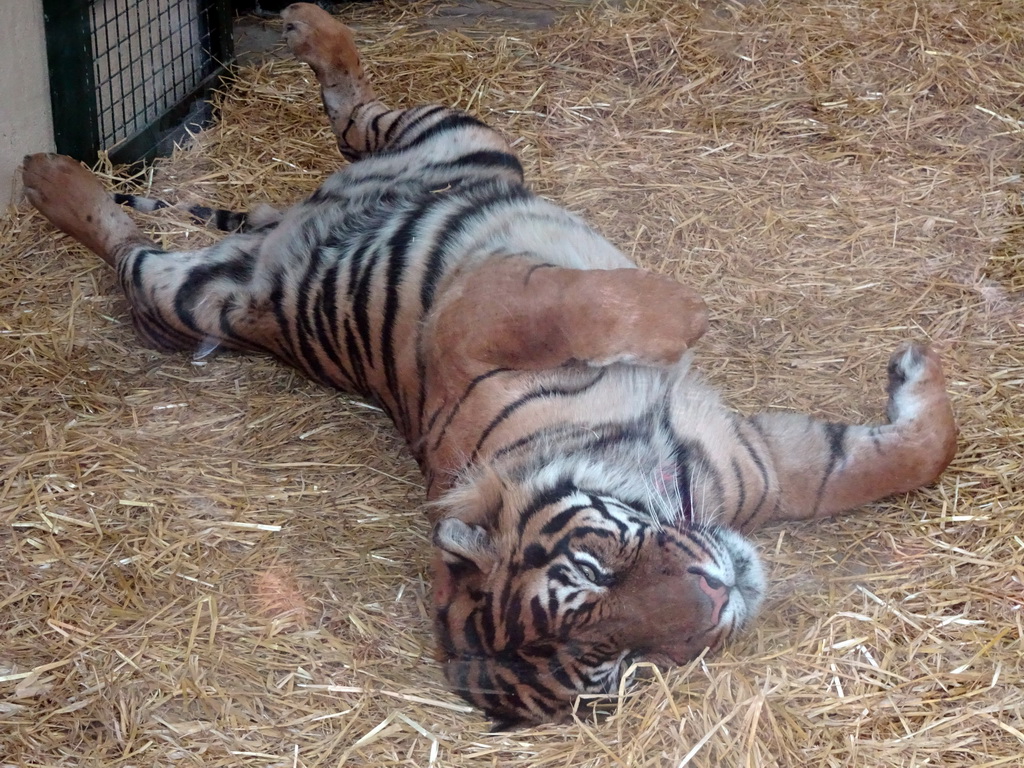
(213, 562)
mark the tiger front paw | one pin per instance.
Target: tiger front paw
(918, 403)
(641, 317)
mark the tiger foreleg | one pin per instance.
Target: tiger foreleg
(826, 468)
(75, 202)
(515, 313)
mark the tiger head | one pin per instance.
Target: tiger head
(545, 594)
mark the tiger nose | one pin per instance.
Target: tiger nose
(718, 592)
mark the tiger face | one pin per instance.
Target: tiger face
(553, 594)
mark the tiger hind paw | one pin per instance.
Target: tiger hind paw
(75, 201)
(321, 41)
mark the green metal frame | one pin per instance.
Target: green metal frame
(69, 49)
(72, 82)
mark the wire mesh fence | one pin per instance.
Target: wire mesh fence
(124, 72)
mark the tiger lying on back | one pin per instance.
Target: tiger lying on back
(589, 490)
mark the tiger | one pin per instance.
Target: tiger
(591, 495)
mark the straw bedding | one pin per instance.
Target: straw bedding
(214, 562)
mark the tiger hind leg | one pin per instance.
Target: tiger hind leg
(328, 47)
(363, 125)
(74, 201)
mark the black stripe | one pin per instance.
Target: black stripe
(140, 203)
(140, 257)
(561, 675)
(835, 434)
(564, 545)
(326, 317)
(634, 431)
(446, 124)
(355, 359)
(759, 463)
(471, 637)
(567, 432)
(444, 640)
(343, 136)
(221, 218)
(357, 287)
(166, 334)
(310, 319)
(359, 290)
(227, 331)
(688, 454)
(191, 292)
(228, 221)
(476, 201)
(540, 616)
(741, 486)
(702, 538)
(322, 195)
(561, 489)
(458, 405)
(156, 328)
(487, 628)
(374, 128)
(201, 213)
(677, 541)
(473, 205)
(424, 113)
(277, 290)
(303, 328)
(358, 178)
(599, 503)
(681, 459)
(513, 618)
(328, 303)
(534, 556)
(544, 699)
(581, 617)
(538, 394)
(562, 519)
(328, 340)
(485, 158)
(525, 440)
(398, 247)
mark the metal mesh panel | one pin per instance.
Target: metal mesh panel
(148, 55)
(122, 71)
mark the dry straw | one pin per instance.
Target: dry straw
(217, 563)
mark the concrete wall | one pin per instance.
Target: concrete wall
(25, 124)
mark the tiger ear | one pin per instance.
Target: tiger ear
(461, 544)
